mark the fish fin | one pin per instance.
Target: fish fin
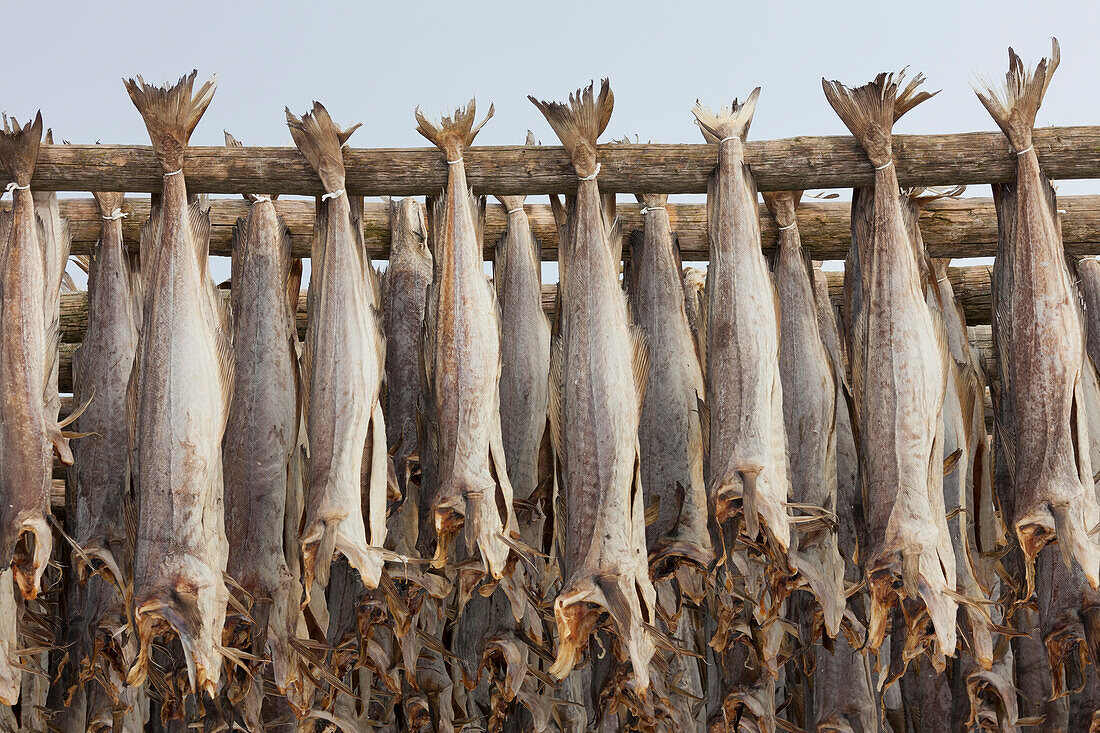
(321, 141)
(952, 461)
(579, 124)
(19, 148)
(171, 114)
(108, 201)
(1014, 110)
(704, 424)
(732, 121)
(869, 111)
(453, 134)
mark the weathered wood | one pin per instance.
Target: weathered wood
(964, 227)
(971, 288)
(787, 164)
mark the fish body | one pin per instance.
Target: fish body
(899, 381)
(343, 368)
(809, 415)
(262, 434)
(598, 370)
(747, 462)
(178, 404)
(670, 431)
(1040, 341)
(460, 353)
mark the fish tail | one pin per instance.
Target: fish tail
(781, 205)
(321, 141)
(871, 110)
(727, 122)
(108, 201)
(1015, 110)
(19, 148)
(511, 202)
(453, 134)
(652, 200)
(171, 114)
(579, 124)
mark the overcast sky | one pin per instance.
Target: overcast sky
(375, 62)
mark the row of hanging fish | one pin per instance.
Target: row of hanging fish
(681, 501)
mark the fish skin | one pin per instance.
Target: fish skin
(343, 369)
(1035, 303)
(99, 502)
(899, 384)
(28, 421)
(260, 438)
(404, 289)
(748, 444)
(178, 403)
(597, 382)
(460, 352)
(669, 431)
(1088, 283)
(810, 419)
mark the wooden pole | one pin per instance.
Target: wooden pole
(965, 227)
(787, 164)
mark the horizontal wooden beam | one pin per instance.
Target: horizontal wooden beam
(786, 164)
(965, 227)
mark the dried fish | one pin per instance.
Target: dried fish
(178, 403)
(809, 415)
(899, 380)
(404, 288)
(747, 460)
(260, 441)
(598, 372)
(342, 368)
(670, 432)
(29, 432)
(100, 506)
(1043, 421)
(460, 353)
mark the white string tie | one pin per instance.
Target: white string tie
(884, 167)
(456, 161)
(116, 214)
(173, 173)
(647, 209)
(725, 139)
(792, 225)
(1029, 147)
(594, 174)
(518, 210)
(333, 194)
(13, 186)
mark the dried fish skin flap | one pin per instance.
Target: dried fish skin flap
(342, 372)
(747, 460)
(178, 404)
(899, 355)
(670, 430)
(809, 415)
(28, 421)
(1036, 303)
(597, 378)
(460, 351)
(262, 435)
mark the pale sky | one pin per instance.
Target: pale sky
(375, 62)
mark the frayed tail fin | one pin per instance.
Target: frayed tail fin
(321, 141)
(453, 134)
(171, 114)
(782, 205)
(19, 148)
(871, 110)
(579, 124)
(1014, 111)
(732, 121)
